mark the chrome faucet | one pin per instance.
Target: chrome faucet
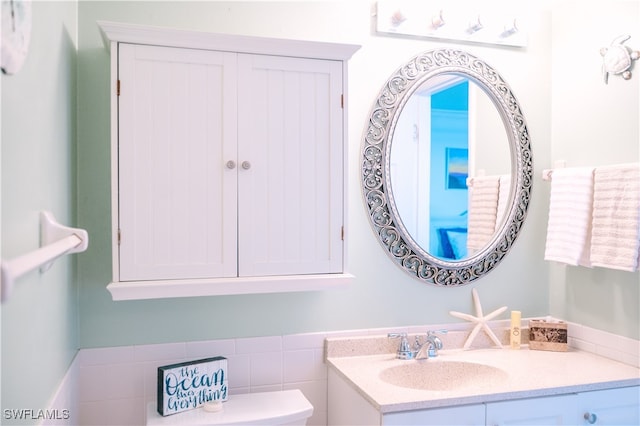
(404, 351)
(431, 345)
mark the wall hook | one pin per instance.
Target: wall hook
(397, 18)
(475, 26)
(509, 30)
(437, 21)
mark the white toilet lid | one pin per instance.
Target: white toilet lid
(264, 408)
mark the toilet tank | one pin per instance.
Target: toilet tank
(288, 407)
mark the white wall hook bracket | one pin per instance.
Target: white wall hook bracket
(56, 240)
(455, 21)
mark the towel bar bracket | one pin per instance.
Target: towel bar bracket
(52, 231)
(56, 240)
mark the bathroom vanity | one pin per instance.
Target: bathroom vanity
(479, 387)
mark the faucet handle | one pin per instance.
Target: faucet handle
(404, 342)
(404, 351)
(437, 343)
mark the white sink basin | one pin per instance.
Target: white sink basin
(440, 375)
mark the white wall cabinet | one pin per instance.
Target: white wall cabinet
(229, 159)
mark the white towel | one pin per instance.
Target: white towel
(615, 240)
(504, 191)
(569, 224)
(483, 205)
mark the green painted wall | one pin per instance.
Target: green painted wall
(39, 321)
(382, 295)
(594, 124)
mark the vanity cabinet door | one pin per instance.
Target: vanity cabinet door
(553, 410)
(290, 152)
(610, 407)
(469, 415)
(177, 124)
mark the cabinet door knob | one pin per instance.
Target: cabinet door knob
(246, 165)
(590, 418)
(231, 164)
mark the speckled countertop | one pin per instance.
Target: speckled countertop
(523, 373)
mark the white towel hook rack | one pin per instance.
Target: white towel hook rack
(546, 173)
(55, 240)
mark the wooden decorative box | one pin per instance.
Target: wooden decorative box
(548, 336)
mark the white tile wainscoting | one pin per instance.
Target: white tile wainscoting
(112, 385)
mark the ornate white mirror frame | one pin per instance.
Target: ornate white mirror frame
(376, 181)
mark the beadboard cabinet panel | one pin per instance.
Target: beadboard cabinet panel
(290, 138)
(177, 199)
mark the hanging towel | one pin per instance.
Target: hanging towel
(483, 205)
(570, 210)
(615, 240)
(504, 191)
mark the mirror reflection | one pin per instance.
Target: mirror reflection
(448, 135)
(446, 167)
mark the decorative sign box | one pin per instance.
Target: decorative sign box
(548, 336)
(188, 385)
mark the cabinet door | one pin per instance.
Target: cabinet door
(610, 407)
(291, 193)
(469, 415)
(177, 198)
(553, 410)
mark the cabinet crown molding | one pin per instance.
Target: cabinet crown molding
(174, 37)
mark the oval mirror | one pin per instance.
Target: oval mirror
(446, 167)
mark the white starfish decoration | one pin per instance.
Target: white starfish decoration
(480, 320)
